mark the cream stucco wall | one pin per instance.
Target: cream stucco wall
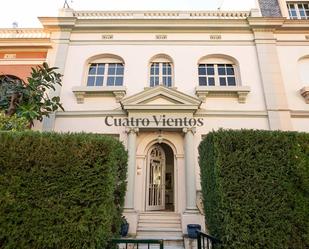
(266, 52)
(289, 57)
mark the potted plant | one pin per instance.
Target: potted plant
(124, 227)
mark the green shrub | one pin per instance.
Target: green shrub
(13, 123)
(256, 188)
(60, 190)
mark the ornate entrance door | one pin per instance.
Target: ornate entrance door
(156, 179)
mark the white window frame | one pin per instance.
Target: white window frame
(161, 75)
(106, 75)
(296, 3)
(216, 62)
(84, 91)
(238, 90)
(161, 60)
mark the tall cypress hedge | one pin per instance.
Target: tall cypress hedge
(60, 190)
(256, 188)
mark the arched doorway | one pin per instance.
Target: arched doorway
(160, 178)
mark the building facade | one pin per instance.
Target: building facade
(161, 80)
(22, 49)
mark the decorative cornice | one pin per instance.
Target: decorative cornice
(265, 22)
(161, 14)
(58, 23)
(23, 34)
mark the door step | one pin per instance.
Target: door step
(161, 225)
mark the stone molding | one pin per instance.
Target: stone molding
(187, 129)
(133, 130)
(81, 92)
(240, 92)
(305, 93)
(19, 33)
(175, 100)
(162, 14)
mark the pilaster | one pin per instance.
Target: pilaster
(190, 169)
(274, 91)
(129, 199)
(60, 29)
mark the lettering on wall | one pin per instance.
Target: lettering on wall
(107, 37)
(154, 121)
(9, 56)
(161, 37)
(215, 37)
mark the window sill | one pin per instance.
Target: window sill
(81, 92)
(305, 93)
(240, 92)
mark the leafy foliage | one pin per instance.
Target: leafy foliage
(31, 100)
(13, 123)
(256, 188)
(60, 191)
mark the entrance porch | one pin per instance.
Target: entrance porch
(162, 157)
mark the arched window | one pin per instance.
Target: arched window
(298, 10)
(217, 71)
(161, 71)
(106, 71)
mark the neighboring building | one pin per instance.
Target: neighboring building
(22, 49)
(161, 80)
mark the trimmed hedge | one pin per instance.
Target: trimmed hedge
(256, 188)
(60, 190)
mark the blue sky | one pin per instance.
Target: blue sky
(25, 12)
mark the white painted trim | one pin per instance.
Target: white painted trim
(118, 113)
(82, 92)
(199, 113)
(22, 61)
(299, 114)
(241, 92)
(161, 14)
(224, 113)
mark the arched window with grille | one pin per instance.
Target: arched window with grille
(106, 71)
(217, 71)
(161, 71)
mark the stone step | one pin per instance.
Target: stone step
(161, 229)
(158, 216)
(161, 214)
(163, 217)
(167, 235)
(160, 221)
(159, 225)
